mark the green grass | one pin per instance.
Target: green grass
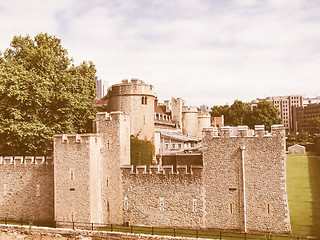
(303, 182)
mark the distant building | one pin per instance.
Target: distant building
(302, 116)
(101, 87)
(310, 100)
(217, 121)
(204, 108)
(284, 104)
(297, 149)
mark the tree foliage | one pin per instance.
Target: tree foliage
(42, 93)
(240, 113)
(315, 124)
(141, 151)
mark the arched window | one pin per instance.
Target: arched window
(144, 100)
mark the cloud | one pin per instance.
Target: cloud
(203, 51)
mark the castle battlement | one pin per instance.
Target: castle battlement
(27, 160)
(105, 116)
(161, 170)
(75, 138)
(242, 131)
(133, 87)
(203, 114)
(189, 109)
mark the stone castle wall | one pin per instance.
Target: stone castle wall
(26, 188)
(242, 186)
(163, 198)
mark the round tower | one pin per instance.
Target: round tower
(135, 98)
(203, 121)
(190, 121)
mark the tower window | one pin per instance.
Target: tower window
(231, 208)
(71, 174)
(144, 100)
(4, 189)
(161, 204)
(194, 205)
(126, 205)
(38, 190)
(268, 208)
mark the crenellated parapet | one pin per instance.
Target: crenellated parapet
(189, 109)
(161, 170)
(27, 160)
(243, 131)
(133, 87)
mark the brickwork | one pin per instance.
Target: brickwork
(26, 188)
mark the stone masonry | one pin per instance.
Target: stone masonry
(26, 188)
(241, 185)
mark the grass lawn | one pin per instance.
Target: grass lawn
(303, 182)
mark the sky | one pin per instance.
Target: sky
(203, 51)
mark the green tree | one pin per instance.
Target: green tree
(265, 113)
(141, 151)
(315, 124)
(240, 113)
(218, 111)
(42, 93)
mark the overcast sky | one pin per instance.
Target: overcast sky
(204, 51)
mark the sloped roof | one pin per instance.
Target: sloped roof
(179, 137)
(296, 146)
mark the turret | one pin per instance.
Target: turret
(135, 98)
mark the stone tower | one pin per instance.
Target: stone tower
(190, 121)
(249, 178)
(203, 121)
(87, 171)
(176, 109)
(136, 99)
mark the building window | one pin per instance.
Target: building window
(144, 101)
(161, 204)
(4, 189)
(166, 146)
(173, 146)
(179, 145)
(268, 208)
(194, 205)
(38, 190)
(231, 208)
(126, 205)
(71, 174)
